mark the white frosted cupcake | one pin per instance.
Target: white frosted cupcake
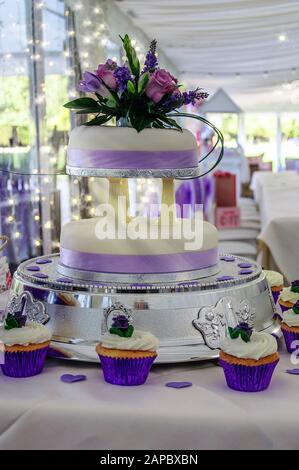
(126, 354)
(25, 346)
(290, 327)
(275, 281)
(289, 296)
(248, 359)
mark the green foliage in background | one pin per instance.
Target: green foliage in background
(15, 110)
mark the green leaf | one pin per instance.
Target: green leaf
(117, 331)
(131, 55)
(129, 331)
(131, 87)
(169, 121)
(244, 336)
(233, 333)
(98, 120)
(81, 103)
(89, 111)
(10, 322)
(143, 81)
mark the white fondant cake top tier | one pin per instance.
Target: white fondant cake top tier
(107, 147)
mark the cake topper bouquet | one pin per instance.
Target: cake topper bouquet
(141, 95)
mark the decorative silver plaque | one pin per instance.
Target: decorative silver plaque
(213, 321)
(34, 310)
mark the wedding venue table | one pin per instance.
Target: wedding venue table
(277, 194)
(42, 412)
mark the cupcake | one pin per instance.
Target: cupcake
(275, 281)
(248, 359)
(289, 296)
(126, 354)
(24, 346)
(290, 327)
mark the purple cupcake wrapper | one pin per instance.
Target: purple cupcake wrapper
(24, 363)
(283, 308)
(248, 378)
(126, 371)
(289, 337)
(275, 294)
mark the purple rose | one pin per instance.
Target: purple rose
(90, 83)
(106, 73)
(120, 321)
(160, 83)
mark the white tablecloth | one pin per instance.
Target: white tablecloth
(44, 413)
(277, 195)
(263, 179)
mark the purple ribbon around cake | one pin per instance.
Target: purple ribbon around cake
(135, 264)
(118, 159)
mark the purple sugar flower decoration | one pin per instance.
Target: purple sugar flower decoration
(194, 95)
(121, 321)
(151, 61)
(111, 64)
(242, 329)
(121, 326)
(122, 75)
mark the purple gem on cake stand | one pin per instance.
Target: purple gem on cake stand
(43, 261)
(228, 258)
(224, 278)
(41, 275)
(245, 265)
(33, 268)
(245, 271)
(64, 279)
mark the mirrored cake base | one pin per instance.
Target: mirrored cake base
(190, 318)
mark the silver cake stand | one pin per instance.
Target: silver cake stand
(189, 318)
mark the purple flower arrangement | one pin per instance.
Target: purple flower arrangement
(143, 97)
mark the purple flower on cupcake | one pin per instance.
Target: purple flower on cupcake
(121, 321)
(160, 83)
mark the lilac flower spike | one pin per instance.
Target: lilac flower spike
(122, 75)
(151, 61)
(194, 95)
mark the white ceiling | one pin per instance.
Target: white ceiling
(229, 43)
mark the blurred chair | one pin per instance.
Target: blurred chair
(292, 164)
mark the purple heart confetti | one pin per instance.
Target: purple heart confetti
(70, 378)
(43, 261)
(224, 278)
(178, 384)
(245, 265)
(292, 371)
(229, 259)
(33, 268)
